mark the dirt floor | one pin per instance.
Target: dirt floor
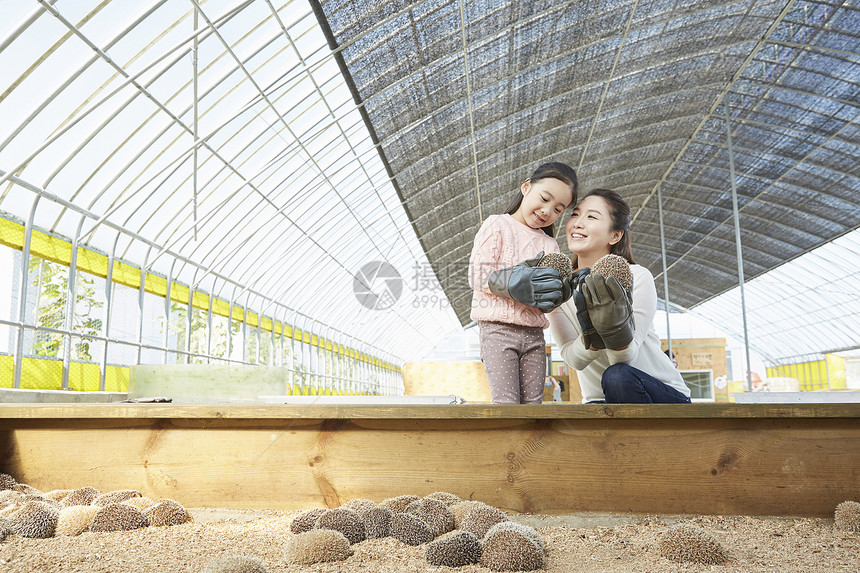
(574, 543)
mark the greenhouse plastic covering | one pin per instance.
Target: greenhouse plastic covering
(290, 157)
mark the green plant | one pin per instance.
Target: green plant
(52, 286)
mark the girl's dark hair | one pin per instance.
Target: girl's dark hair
(619, 210)
(556, 170)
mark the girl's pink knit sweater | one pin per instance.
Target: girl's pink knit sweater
(504, 242)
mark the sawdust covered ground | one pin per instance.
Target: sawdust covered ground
(582, 544)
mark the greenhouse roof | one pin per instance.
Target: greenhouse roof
(283, 154)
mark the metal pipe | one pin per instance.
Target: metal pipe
(665, 271)
(737, 221)
(194, 127)
(108, 312)
(25, 276)
(140, 304)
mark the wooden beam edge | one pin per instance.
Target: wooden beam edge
(439, 412)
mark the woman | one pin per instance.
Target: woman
(605, 332)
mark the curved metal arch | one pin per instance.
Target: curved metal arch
(136, 84)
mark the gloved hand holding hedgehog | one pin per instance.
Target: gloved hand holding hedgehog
(604, 303)
(533, 282)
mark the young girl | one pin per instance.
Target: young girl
(607, 332)
(510, 299)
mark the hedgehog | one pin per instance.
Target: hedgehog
(32, 497)
(118, 517)
(455, 550)
(614, 266)
(398, 504)
(166, 512)
(410, 529)
(346, 521)
(461, 508)
(305, 520)
(235, 564)
(26, 489)
(58, 495)
(377, 522)
(35, 519)
(687, 542)
(481, 518)
(7, 481)
(359, 504)
(117, 496)
(847, 516)
(434, 513)
(448, 499)
(75, 519)
(317, 546)
(506, 548)
(142, 503)
(520, 528)
(558, 261)
(81, 496)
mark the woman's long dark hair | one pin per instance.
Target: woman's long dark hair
(619, 211)
(557, 170)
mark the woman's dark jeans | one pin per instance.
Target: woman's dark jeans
(623, 384)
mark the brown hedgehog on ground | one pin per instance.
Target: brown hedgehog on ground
(81, 496)
(558, 261)
(305, 520)
(7, 481)
(448, 499)
(398, 504)
(847, 516)
(317, 546)
(235, 564)
(345, 521)
(35, 519)
(512, 547)
(166, 512)
(687, 542)
(434, 513)
(614, 266)
(31, 497)
(481, 518)
(377, 522)
(359, 504)
(116, 496)
(118, 517)
(455, 550)
(461, 508)
(410, 529)
(26, 489)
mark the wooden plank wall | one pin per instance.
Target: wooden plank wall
(696, 459)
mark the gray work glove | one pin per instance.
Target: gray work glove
(529, 284)
(610, 307)
(590, 338)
